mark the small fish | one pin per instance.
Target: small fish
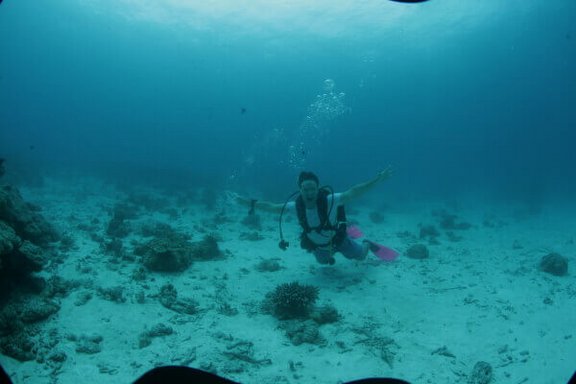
(242, 110)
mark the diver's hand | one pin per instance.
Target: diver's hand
(385, 173)
(236, 198)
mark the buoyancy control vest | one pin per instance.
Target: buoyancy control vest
(324, 212)
(324, 205)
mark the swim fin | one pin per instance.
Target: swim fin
(354, 232)
(382, 252)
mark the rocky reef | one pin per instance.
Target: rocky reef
(292, 300)
(554, 264)
(25, 237)
(25, 249)
(293, 304)
(171, 251)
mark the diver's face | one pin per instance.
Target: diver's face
(309, 192)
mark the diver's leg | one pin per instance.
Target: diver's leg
(323, 256)
(352, 250)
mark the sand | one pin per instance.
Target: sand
(480, 296)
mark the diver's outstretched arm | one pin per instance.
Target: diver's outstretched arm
(256, 204)
(362, 188)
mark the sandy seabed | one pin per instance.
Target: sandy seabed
(479, 296)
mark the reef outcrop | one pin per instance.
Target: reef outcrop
(25, 237)
(554, 264)
(171, 251)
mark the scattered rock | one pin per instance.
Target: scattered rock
(147, 201)
(418, 251)
(57, 356)
(158, 330)
(89, 344)
(251, 236)
(114, 247)
(376, 217)
(157, 229)
(118, 227)
(300, 332)
(82, 298)
(171, 251)
(68, 243)
(140, 297)
(36, 310)
(443, 351)
(380, 346)
(481, 373)
(325, 315)
(139, 274)
(242, 352)
(450, 221)
(206, 249)
(226, 309)
(453, 237)
(429, 232)
(517, 245)
(407, 236)
(114, 294)
(268, 265)
(169, 299)
(554, 264)
(166, 254)
(58, 287)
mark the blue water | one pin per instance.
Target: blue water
(463, 98)
(472, 97)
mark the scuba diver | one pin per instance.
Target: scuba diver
(321, 215)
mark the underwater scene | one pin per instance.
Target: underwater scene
(288, 191)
